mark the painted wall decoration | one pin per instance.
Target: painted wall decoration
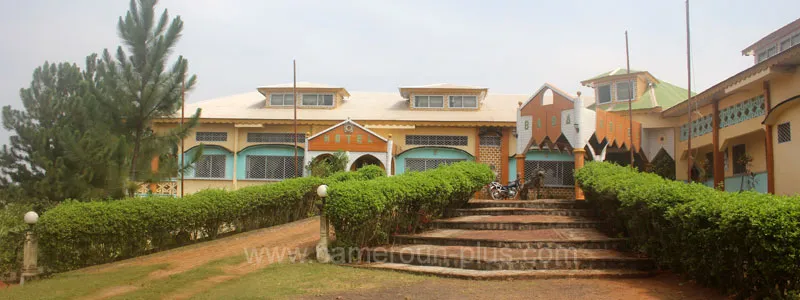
(614, 128)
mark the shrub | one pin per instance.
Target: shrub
(366, 213)
(744, 243)
(78, 234)
(12, 237)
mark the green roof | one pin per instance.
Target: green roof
(614, 72)
(667, 95)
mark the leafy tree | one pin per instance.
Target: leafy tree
(137, 87)
(327, 165)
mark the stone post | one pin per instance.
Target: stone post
(322, 246)
(30, 268)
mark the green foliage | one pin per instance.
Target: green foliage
(327, 165)
(59, 148)
(744, 243)
(79, 234)
(366, 213)
(663, 165)
(12, 236)
(137, 87)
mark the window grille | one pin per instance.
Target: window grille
(436, 140)
(422, 164)
(784, 133)
(271, 167)
(269, 137)
(211, 136)
(556, 173)
(493, 141)
(281, 99)
(625, 90)
(210, 166)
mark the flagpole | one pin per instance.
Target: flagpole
(630, 99)
(183, 115)
(294, 97)
(689, 95)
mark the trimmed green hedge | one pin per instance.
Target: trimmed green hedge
(366, 213)
(79, 234)
(744, 243)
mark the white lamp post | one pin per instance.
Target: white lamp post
(322, 247)
(30, 252)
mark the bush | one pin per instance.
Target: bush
(79, 234)
(744, 243)
(366, 213)
(12, 237)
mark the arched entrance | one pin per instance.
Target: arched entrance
(365, 160)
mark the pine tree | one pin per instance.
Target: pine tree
(137, 87)
(58, 150)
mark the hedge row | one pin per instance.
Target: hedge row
(78, 234)
(367, 213)
(743, 243)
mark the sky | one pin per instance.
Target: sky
(234, 46)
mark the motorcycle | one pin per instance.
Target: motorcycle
(500, 192)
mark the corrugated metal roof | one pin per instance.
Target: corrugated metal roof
(359, 106)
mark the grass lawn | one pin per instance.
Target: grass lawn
(77, 283)
(306, 279)
(324, 281)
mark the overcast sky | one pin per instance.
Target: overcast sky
(371, 45)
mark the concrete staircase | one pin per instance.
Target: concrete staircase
(513, 239)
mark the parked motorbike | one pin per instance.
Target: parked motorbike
(500, 192)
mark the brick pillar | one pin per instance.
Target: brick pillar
(520, 166)
(770, 158)
(579, 157)
(504, 149)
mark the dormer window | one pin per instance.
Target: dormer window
(281, 100)
(464, 101)
(317, 100)
(429, 101)
(604, 94)
(625, 90)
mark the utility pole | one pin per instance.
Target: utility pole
(183, 115)
(690, 162)
(294, 101)
(630, 99)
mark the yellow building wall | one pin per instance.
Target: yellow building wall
(787, 165)
(785, 87)
(399, 136)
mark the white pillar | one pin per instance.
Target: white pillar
(305, 155)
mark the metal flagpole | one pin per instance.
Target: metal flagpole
(630, 99)
(689, 95)
(294, 101)
(183, 115)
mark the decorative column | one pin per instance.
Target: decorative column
(389, 155)
(580, 143)
(770, 158)
(717, 164)
(579, 157)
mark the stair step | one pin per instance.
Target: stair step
(543, 203)
(516, 211)
(524, 222)
(584, 238)
(487, 258)
(507, 274)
